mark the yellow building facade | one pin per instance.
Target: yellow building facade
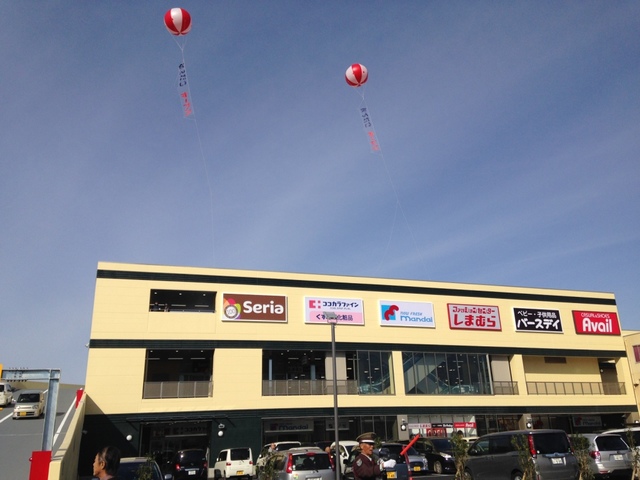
(186, 357)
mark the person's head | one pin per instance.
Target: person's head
(366, 442)
(106, 462)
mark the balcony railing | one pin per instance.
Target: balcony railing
(505, 388)
(307, 387)
(576, 388)
(187, 389)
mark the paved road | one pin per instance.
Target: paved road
(19, 438)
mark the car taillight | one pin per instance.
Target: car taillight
(204, 465)
(290, 464)
(333, 463)
(177, 467)
(228, 464)
(250, 462)
(595, 456)
(532, 448)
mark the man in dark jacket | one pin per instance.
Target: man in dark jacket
(365, 467)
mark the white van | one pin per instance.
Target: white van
(234, 462)
(6, 394)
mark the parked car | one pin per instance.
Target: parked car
(322, 444)
(345, 450)
(495, 457)
(610, 455)
(625, 432)
(133, 468)
(417, 464)
(190, 463)
(401, 469)
(438, 451)
(234, 462)
(6, 394)
(299, 463)
(30, 403)
(266, 451)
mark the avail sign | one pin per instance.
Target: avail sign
(596, 323)
(256, 308)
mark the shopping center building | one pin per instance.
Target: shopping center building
(185, 357)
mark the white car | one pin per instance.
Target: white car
(271, 448)
(30, 403)
(345, 450)
(234, 462)
(6, 394)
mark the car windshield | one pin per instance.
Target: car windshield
(239, 454)
(29, 398)
(549, 443)
(442, 444)
(396, 449)
(137, 470)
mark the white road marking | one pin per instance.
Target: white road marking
(64, 420)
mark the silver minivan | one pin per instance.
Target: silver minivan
(299, 463)
(495, 457)
(610, 455)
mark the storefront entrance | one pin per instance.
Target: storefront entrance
(163, 440)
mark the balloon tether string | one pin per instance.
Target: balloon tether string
(379, 151)
(202, 157)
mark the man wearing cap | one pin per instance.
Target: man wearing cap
(364, 466)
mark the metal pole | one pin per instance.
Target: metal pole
(338, 459)
(332, 318)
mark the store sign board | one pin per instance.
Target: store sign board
(537, 320)
(474, 317)
(591, 421)
(596, 323)
(346, 311)
(343, 424)
(406, 314)
(283, 426)
(238, 307)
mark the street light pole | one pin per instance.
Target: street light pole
(332, 318)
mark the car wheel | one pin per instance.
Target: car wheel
(516, 476)
(437, 467)
(467, 475)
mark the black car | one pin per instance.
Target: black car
(190, 463)
(438, 451)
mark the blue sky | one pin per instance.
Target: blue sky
(510, 137)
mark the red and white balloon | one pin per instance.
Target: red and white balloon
(177, 21)
(356, 75)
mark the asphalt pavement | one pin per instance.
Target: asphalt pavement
(20, 437)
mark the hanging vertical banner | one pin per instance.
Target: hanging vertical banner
(183, 90)
(368, 128)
